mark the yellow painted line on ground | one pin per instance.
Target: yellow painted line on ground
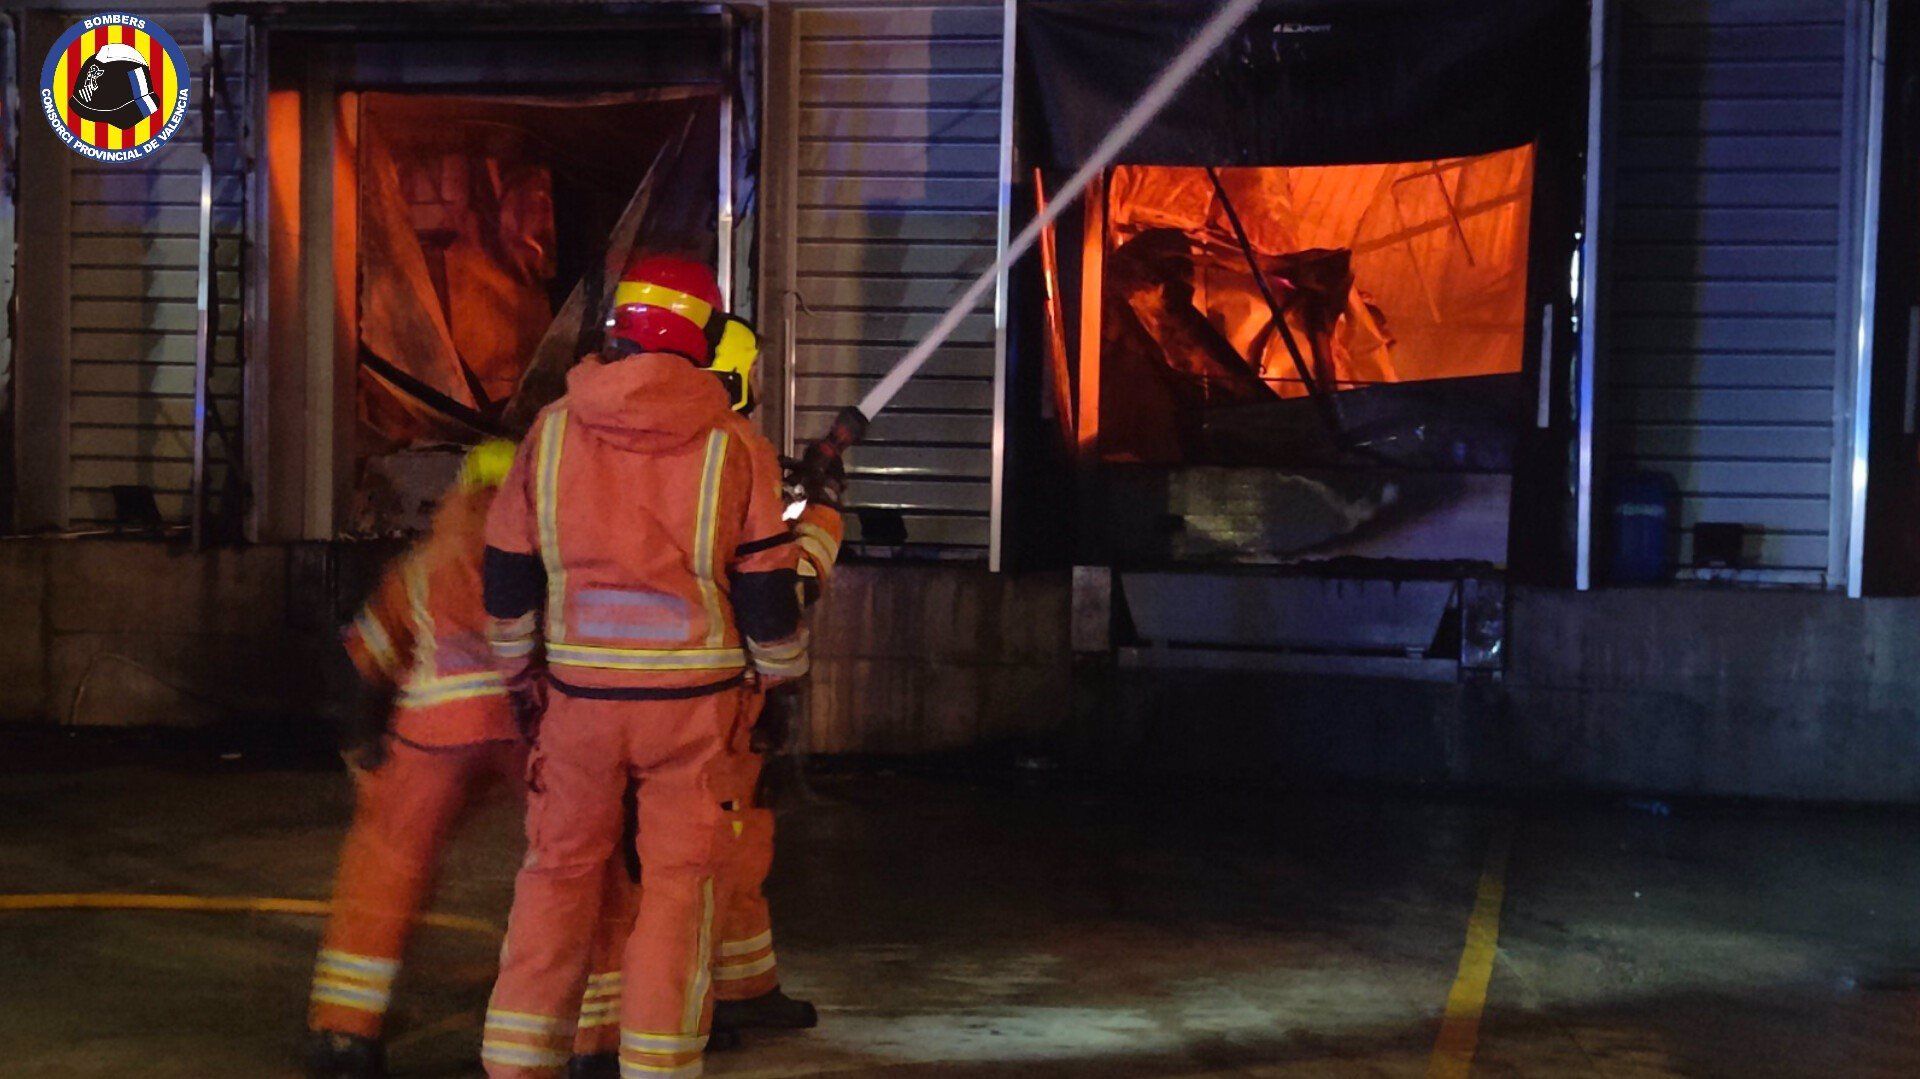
(1460, 1029)
(219, 905)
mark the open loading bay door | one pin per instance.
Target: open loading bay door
(1303, 320)
(476, 218)
(444, 214)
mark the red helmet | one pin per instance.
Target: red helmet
(666, 304)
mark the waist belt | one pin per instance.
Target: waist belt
(646, 659)
(646, 693)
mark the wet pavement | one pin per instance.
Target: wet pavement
(1025, 924)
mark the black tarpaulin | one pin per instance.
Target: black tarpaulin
(1304, 82)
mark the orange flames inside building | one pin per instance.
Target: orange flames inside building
(1385, 273)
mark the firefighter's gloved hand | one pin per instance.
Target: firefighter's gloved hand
(366, 757)
(775, 726)
(827, 486)
(363, 735)
(528, 697)
(824, 484)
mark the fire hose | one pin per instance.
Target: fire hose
(819, 471)
(821, 459)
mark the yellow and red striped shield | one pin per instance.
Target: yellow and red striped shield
(150, 78)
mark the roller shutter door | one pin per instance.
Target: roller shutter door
(134, 255)
(898, 158)
(1725, 272)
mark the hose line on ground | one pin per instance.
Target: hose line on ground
(218, 905)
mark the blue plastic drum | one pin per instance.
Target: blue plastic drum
(1643, 537)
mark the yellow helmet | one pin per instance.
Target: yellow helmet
(486, 465)
(733, 359)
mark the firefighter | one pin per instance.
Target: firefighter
(434, 732)
(746, 977)
(638, 570)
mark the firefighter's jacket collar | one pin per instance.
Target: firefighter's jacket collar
(651, 402)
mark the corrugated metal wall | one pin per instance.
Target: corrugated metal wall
(134, 256)
(898, 157)
(1725, 264)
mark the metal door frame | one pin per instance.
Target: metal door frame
(996, 512)
(1866, 78)
(1592, 236)
(315, 511)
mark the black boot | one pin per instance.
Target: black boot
(594, 1066)
(333, 1055)
(772, 1010)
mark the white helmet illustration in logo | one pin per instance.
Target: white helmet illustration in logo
(115, 87)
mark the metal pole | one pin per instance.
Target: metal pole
(1867, 226)
(203, 329)
(996, 515)
(1210, 36)
(1907, 420)
(1590, 298)
(782, 171)
(1543, 403)
(724, 256)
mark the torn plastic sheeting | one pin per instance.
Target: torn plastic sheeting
(402, 319)
(461, 242)
(671, 211)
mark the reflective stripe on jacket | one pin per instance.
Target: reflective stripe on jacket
(424, 633)
(818, 531)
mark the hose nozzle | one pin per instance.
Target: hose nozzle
(820, 472)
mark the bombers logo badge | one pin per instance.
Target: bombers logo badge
(115, 87)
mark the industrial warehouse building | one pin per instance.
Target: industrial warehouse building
(1556, 272)
(1416, 572)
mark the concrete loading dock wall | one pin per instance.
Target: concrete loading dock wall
(111, 633)
(1692, 692)
(136, 634)
(1717, 692)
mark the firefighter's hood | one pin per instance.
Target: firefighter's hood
(650, 402)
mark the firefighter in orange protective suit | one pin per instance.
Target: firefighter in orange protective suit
(638, 567)
(439, 733)
(746, 976)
